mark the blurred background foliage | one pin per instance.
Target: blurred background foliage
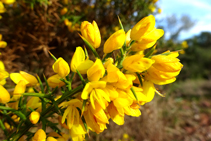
(31, 28)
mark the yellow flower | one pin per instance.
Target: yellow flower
(140, 46)
(165, 68)
(72, 113)
(3, 44)
(144, 25)
(159, 10)
(125, 136)
(15, 118)
(34, 102)
(62, 137)
(152, 7)
(115, 114)
(128, 39)
(3, 74)
(78, 131)
(96, 93)
(184, 44)
(64, 11)
(96, 71)
(34, 117)
(40, 135)
(8, 127)
(2, 9)
(79, 63)
(19, 89)
(4, 96)
(137, 63)
(91, 33)
(61, 67)
(148, 91)
(8, 1)
(28, 78)
(115, 41)
(145, 33)
(96, 119)
(55, 81)
(182, 52)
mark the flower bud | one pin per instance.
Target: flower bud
(3, 44)
(142, 27)
(34, 117)
(91, 33)
(40, 135)
(61, 67)
(4, 96)
(115, 41)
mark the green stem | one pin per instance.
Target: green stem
(34, 94)
(19, 113)
(91, 47)
(20, 133)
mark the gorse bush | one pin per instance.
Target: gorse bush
(112, 86)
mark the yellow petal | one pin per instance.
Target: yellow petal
(61, 67)
(77, 59)
(115, 41)
(4, 96)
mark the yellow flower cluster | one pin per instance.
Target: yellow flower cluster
(113, 88)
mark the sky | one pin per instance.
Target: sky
(198, 10)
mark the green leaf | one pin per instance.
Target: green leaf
(41, 85)
(134, 93)
(46, 82)
(90, 47)
(139, 78)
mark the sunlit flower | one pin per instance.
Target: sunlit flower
(96, 71)
(34, 117)
(115, 41)
(137, 63)
(165, 68)
(93, 91)
(8, 1)
(28, 78)
(71, 113)
(79, 62)
(91, 33)
(40, 135)
(145, 34)
(3, 74)
(19, 89)
(61, 67)
(96, 119)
